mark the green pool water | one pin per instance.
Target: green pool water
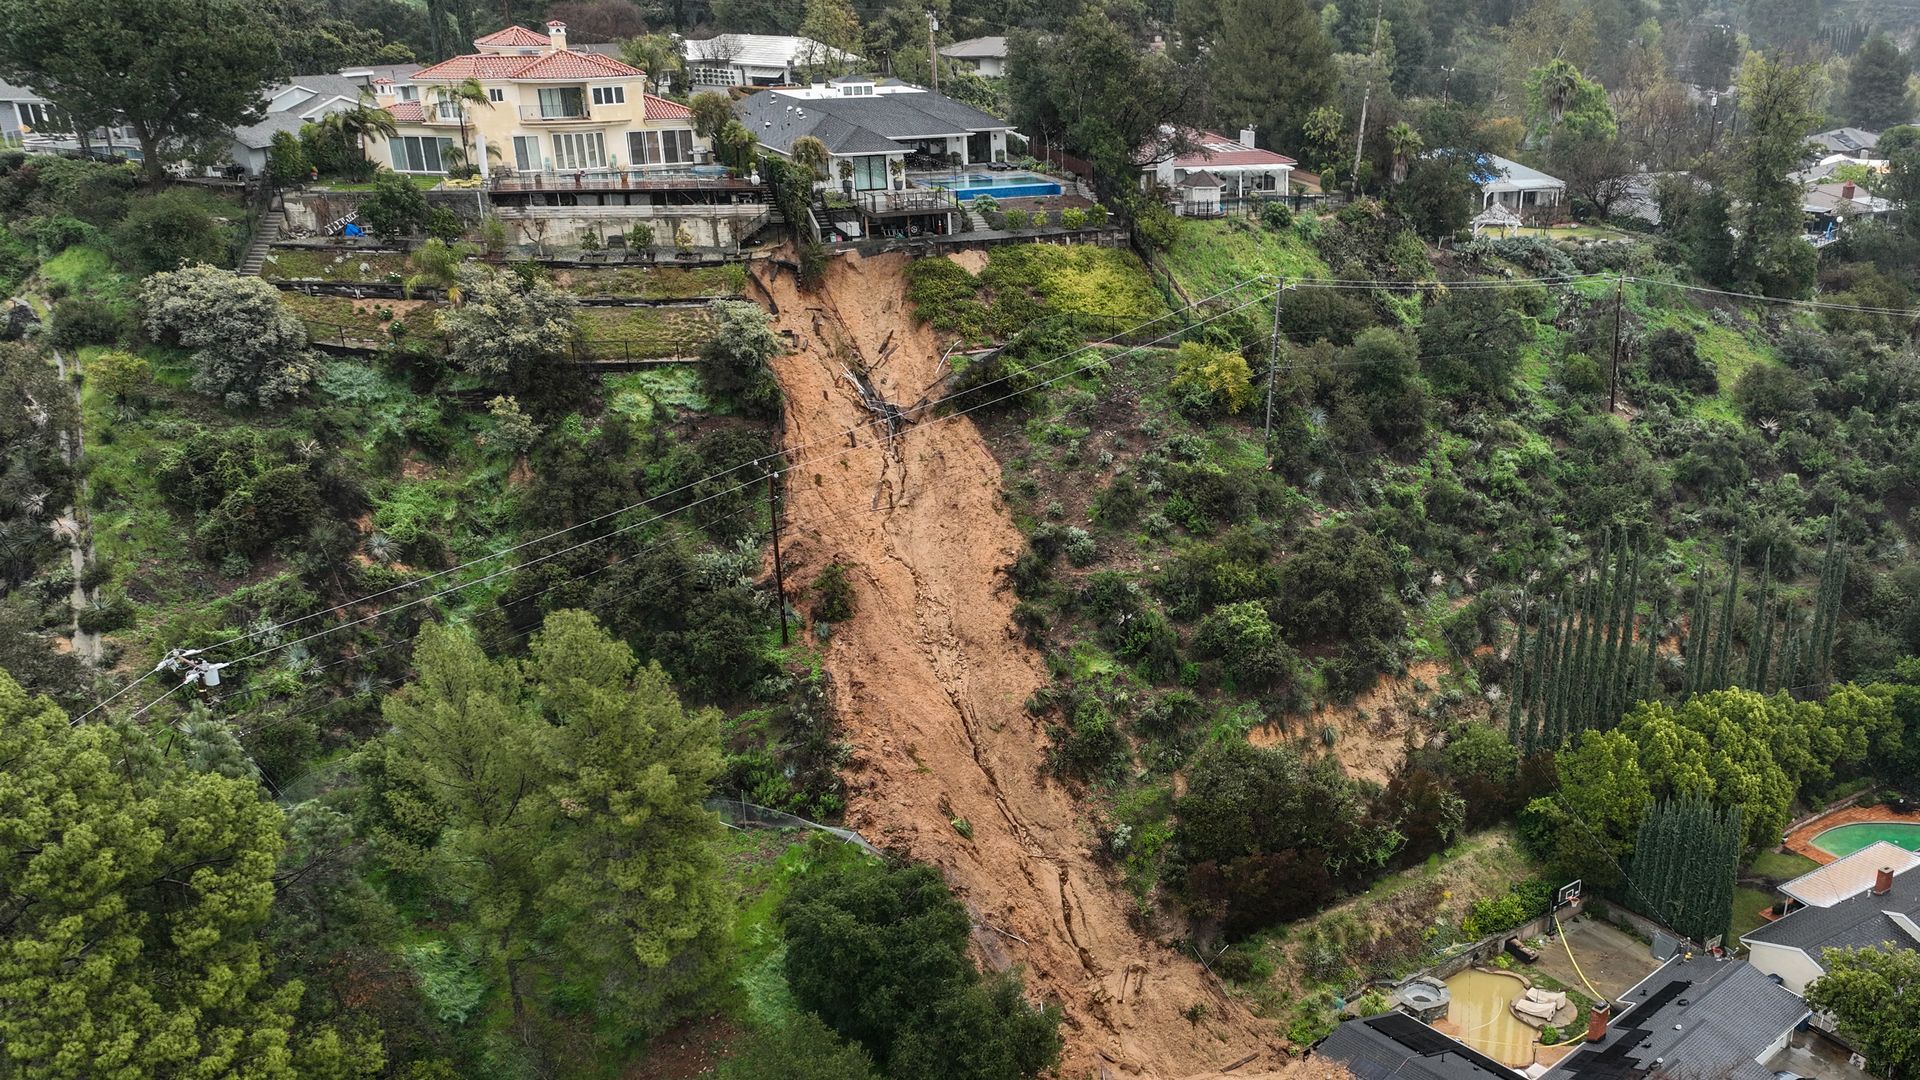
(1847, 839)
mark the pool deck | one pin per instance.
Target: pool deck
(1800, 840)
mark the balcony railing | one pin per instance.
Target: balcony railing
(910, 201)
(534, 114)
(637, 178)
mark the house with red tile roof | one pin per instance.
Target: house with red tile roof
(1242, 169)
(543, 108)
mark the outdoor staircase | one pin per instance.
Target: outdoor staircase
(977, 219)
(263, 238)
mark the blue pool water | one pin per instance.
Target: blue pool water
(1006, 185)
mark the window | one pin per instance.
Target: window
(494, 93)
(579, 150)
(447, 109)
(660, 147)
(419, 154)
(609, 95)
(407, 93)
(870, 173)
(560, 102)
(33, 114)
(526, 153)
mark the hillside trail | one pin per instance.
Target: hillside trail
(930, 681)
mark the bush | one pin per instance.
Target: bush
(169, 230)
(509, 328)
(1581, 375)
(395, 208)
(80, 320)
(1017, 220)
(1073, 217)
(1209, 378)
(1274, 215)
(1242, 637)
(736, 364)
(248, 349)
(1772, 392)
(121, 375)
(832, 595)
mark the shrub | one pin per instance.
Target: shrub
(512, 430)
(81, 320)
(1088, 745)
(1772, 392)
(1210, 378)
(444, 225)
(1097, 216)
(1242, 638)
(736, 364)
(1017, 220)
(1073, 217)
(120, 375)
(248, 349)
(1274, 215)
(1672, 359)
(946, 297)
(832, 595)
(1581, 375)
(287, 160)
(166, 231)
(508, 327)
(395, 207)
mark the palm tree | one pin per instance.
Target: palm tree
(655, 54)
(354, 126)
(1405, 144)
(812, 153)
(460, 95)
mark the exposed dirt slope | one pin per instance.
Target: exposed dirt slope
(930, 681)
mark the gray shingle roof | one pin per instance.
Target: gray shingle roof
(1856, 922)
(858, 125)
(977, 48)
(1694, 1019)
(1395, 1046)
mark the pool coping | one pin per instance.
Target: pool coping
(1800, 840)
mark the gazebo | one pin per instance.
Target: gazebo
(1495, 216)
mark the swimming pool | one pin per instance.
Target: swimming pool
(1847, 839)
(1006, 185)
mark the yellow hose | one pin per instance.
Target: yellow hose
(1597, 995)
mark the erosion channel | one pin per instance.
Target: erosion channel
(930, 679)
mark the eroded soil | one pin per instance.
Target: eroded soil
(930, 678)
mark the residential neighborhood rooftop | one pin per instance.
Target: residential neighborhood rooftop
(1395, 1046)
(979, 48)
(1845, 140)
(1850, 876)
(1863, 920)
(1697, 1017)
(1218, 152)
(860, 125)
(763, 50)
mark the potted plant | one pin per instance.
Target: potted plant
(899, 170)
(846, 177)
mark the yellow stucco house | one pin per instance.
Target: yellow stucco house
(549, 109)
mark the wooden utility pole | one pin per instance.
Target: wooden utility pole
(1613, 381)
(933, 55)
(1360, 136)
(1273, 364)
(779, 568)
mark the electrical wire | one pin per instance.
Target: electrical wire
(1817, 304)
(775, 472)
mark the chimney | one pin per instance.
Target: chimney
(383, 91)
(1246, 137)
(1883, 880)
(557, 35)
(1846, 190)
(1597, 1022)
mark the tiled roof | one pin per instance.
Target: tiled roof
(659, 108)
(1860, 921)
(1202, 178)
(512, 35)
(561, 64)
(1828, 885)
(1213, 150)
(1395, 1046)
(1696, 1017)
(405, 111)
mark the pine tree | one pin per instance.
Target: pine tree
(1723, 647)
(1516, 690)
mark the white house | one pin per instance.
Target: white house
(1243, 169)
(305, 99)
(1515, 186)
(729, 60)
(869, 125)
(987, 56)
(1882, 914)
(29, 119)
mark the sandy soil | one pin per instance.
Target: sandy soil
(1373, 727)
(930, 678)
(973, 260)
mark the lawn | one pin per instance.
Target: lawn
(84, 270)
(1779, 865)
(656, 282)
(329, 317)
(645, 332)
(1214, 255)
(424, 183)
(325, 264)
(1747, 906)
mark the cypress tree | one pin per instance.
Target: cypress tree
(1517, 685)
(1536, 690)
(1557, 710)
(1760, 613)
(1697, 629)
(1723, 646)
(1653, 643)
(1590, 631)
